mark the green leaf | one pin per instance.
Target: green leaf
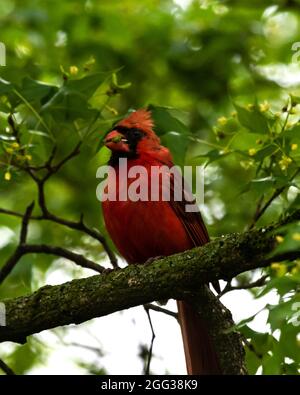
(259, 354)
(291, 240)
(230, 126)
(173, 132)
(260, 185)
(252, 361)
(295, 204)
(254, 120)
(7, 89)
(281, 313)
(117, 85)
(34, 90)
(25, 356)
(265, 184)
(165, 121)
(213, 155)
(261, 342)
(288, 345)
(282, 284)
(241, 326)
(104, 156)
(177, 143)
(266, 151)
(272, 364)
(71, 100)
(5, 137)
(291, 368)
(88, 85)
(5, 86)
(295, 100)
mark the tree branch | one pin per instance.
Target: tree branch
(49, 250)
(25, 222)
(150, 351)
(150, 306)
(81, 227)
(14, 258)
(258, 283)
(171, 277)
(75, 225)
(23, 249)
(261, 209)
(227, 343)
(12, 213)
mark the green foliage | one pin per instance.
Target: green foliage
(254, 120)
(26, 356)
(173, 132)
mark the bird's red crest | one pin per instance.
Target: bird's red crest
(140, 119)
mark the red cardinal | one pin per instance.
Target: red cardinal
(145, 229)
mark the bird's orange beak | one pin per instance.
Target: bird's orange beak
(116, 141)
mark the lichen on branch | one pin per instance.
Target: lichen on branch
(170, 277)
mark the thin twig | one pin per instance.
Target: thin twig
(14, 129)
(49, 250)
(14, 258)
(64, 253)
(6, 369)
(95, 234)
(25, 223)
(12, 213)
(260, 212)
(79, 225)
(153, 307)
(54, 169)
(226, 289)
(51, 157)
(150, 353)
(250, 346)
(86, 347)
(24, 248)
(10, 264)
(36, 114)
(257, 211)
(46, 214)
(277, 192)
(47, 164)
(258, 283)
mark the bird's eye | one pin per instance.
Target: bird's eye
(137, 133)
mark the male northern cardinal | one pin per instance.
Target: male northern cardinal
(145, 229)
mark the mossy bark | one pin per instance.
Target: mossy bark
(177, 277)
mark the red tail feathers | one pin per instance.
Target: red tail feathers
(201, 358)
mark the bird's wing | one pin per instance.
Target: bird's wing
(191, 220)
(186, 209)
